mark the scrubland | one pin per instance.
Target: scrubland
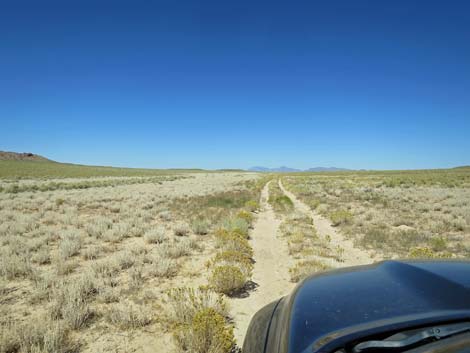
(97, 261)
(118, 264)
(394, 214)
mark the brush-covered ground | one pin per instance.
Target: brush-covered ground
(122, 264)
(394, 214)
(107, 260)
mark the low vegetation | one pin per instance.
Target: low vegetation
(82, 254)
(395, 214)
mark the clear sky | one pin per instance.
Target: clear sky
(218, 84)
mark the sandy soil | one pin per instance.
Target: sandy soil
(271, 270)
(353, 256)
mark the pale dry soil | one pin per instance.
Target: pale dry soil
(353, 256)
(271, 270)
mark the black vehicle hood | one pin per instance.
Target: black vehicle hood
(328, 310)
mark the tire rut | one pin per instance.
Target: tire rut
(271, 268)
(352, 256)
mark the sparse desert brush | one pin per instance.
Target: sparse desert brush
(235, 258)
(162, 267)
(247, 216)
(98, 226)
(174, 250)
(106, 268)
(136, 277)
(165, 215)
(237, 225)
(14, 265)
(181, 229)
(92, 252)
(341, 217)
(125, 259)
(70, 301)
(42, 256)
(70, 244)
(185, 302)
(306, 268)
(200, 226)
(426, 253)
(207, 332)
(438, 243)
(155, 235)
(127, 315)
(252, 205)
(38, 335)
(231, 241)
(118, 232)
(227, 279)
(109, 294)
(64, 266)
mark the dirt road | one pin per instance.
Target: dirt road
(271, 270)
(352, 256)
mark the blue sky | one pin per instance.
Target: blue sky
(218, 84)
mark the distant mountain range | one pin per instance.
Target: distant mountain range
(284, 169)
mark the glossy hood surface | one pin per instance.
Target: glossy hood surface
(328, 310)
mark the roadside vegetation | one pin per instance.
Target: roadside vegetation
(75, 262)
(305, 246)
(395, 214)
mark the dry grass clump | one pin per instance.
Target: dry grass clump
(155, 235)
(185, 302)
(14, 265)
(70, 244)
(306, 268)
(341, 217)
(98, 226)
(200, 226)
(70, 301)
(42, 256)
(38, 335)
(237, 225)
(161, 266)
(176, 249)
(198, 317)
(127, 315)
(181, 229)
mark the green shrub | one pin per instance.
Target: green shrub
(438, 243)
(184, 303)
(233, 241)
(200, 226)
(252, 205)
(231, 257)
(341, 217)
(306, 268)
(208, 332)
(237, 225)
(426, 253)
(281, 203)
(227, 279)
(247, 216)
